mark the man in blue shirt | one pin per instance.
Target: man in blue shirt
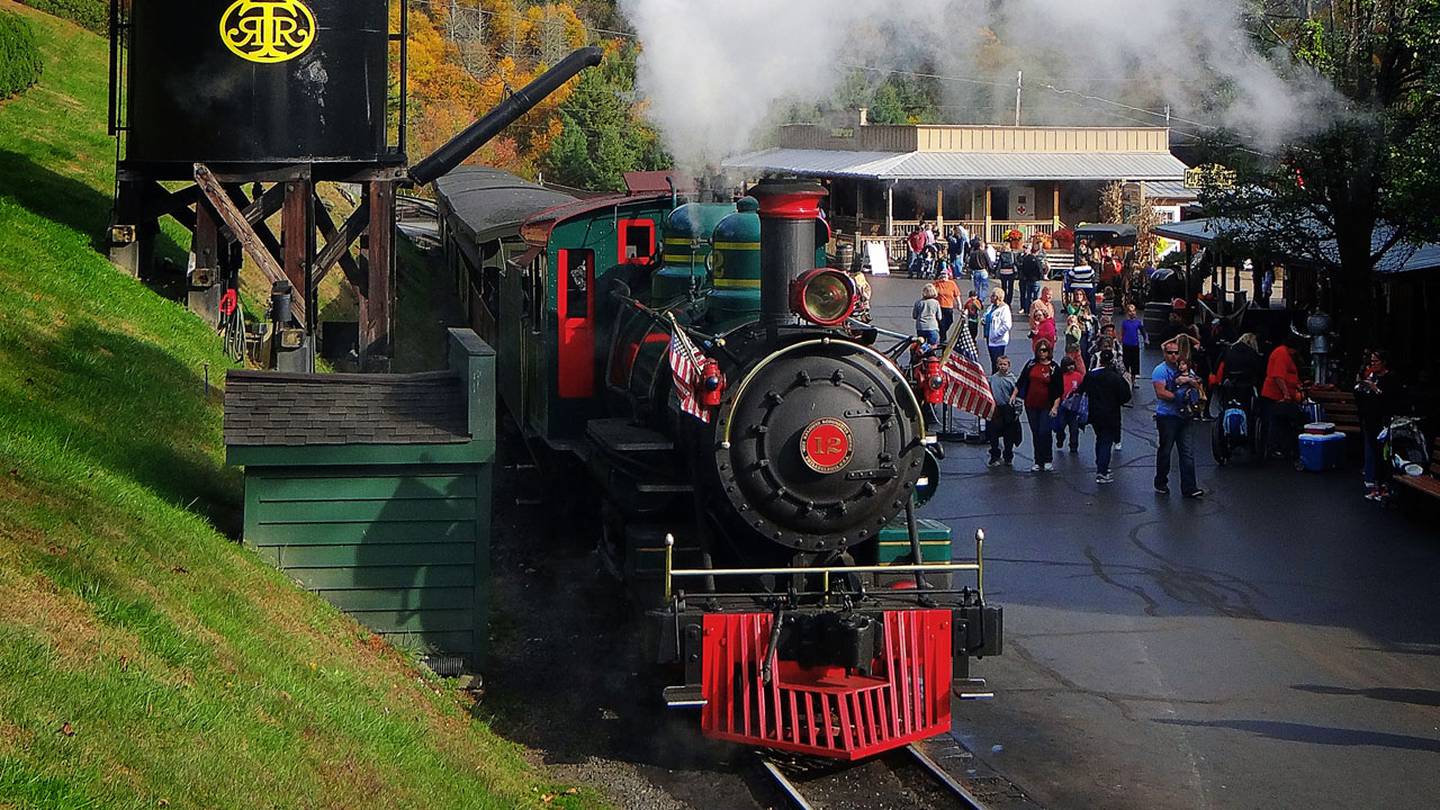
(1173, 426)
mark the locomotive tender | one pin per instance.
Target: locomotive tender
(761, 506)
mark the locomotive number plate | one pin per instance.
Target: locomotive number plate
(825, 445)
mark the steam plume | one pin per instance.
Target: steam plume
(715, 73)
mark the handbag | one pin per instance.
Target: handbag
(1079, 405)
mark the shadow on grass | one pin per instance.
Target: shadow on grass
(129, 406)
(68, 202)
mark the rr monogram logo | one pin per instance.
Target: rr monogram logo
(267, 31)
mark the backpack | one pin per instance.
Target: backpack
(1234, 423)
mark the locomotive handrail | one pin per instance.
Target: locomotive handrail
(978, 567)
(825, 341)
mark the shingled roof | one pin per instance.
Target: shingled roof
(269, 409)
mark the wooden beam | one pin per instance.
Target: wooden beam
(379, 256)
(296, 227)
(260, 208)
(338, 249)
(162, 202)
(230, 214)
(940, 210)
(262, 229)
(1055, 191)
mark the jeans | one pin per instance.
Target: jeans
(995, 352)
(1372, 457)
(1029, 294)
(982, 285)
(1039, 419)
(914, 267)
(930, 336)
(1003, 429)
(1071, 424)
(1175, 433)
(1007, 283)
(1104, 447)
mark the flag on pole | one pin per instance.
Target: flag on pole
(966, 386)
(685, 361)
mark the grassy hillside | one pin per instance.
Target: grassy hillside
(145, 659)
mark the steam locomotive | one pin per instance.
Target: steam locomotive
(756, 455)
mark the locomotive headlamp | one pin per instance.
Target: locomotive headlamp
(823, 296)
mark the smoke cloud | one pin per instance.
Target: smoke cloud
(717, 74)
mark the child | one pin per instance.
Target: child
(1004, 426)
(973, 306)
(1067, 420)
(1076, 338)
(1107, 305)
(1132, 337)
(1189, 393)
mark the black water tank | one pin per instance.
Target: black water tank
(257, 81)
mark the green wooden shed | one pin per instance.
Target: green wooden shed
(373, 490)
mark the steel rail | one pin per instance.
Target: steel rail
(791, 792)
(943, 776)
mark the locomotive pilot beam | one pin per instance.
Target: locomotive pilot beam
(267, 100)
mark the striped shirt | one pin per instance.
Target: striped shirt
(1082, 277)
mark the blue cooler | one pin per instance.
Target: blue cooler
(1321, 452)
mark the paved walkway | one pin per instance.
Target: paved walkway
(1276, 644)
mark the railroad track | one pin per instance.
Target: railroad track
(889, 780)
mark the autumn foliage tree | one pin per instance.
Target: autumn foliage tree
(454, 78)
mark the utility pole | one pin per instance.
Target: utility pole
(1019, 88)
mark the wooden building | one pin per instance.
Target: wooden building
(885, 179)
(374, 491)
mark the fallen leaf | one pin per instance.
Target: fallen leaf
(67, 730)
(124, 664)
(163, 803)
(179, 569)
(547, 798)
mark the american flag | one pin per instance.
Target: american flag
(966, 386)
(685, 362)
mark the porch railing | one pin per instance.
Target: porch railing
(859, 231)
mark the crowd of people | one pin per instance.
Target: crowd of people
(1086, 354)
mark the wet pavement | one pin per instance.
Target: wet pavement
(1276, 644)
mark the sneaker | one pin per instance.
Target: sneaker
(1195, 494)
(1104, 478)
(1161, 489)
(994, 462)
(1035, 468)
(1117, 447)
(1049, 467)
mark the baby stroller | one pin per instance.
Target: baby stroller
(1235, 429)
(1404, 447)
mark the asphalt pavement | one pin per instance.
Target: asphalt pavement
(1275, 644)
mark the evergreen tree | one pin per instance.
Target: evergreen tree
(603, 137)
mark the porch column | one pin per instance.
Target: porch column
(859, 214)
(986, 237)
(1055, 190)
(889, 210)
(940, 208)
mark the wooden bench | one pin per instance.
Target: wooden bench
(1428, 484)
(1340, 408)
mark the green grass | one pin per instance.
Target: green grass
(145, 659)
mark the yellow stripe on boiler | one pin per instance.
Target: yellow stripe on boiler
(737, 283)
(737, 245)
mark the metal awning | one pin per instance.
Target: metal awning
(1401, 258)
(1148, 166)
